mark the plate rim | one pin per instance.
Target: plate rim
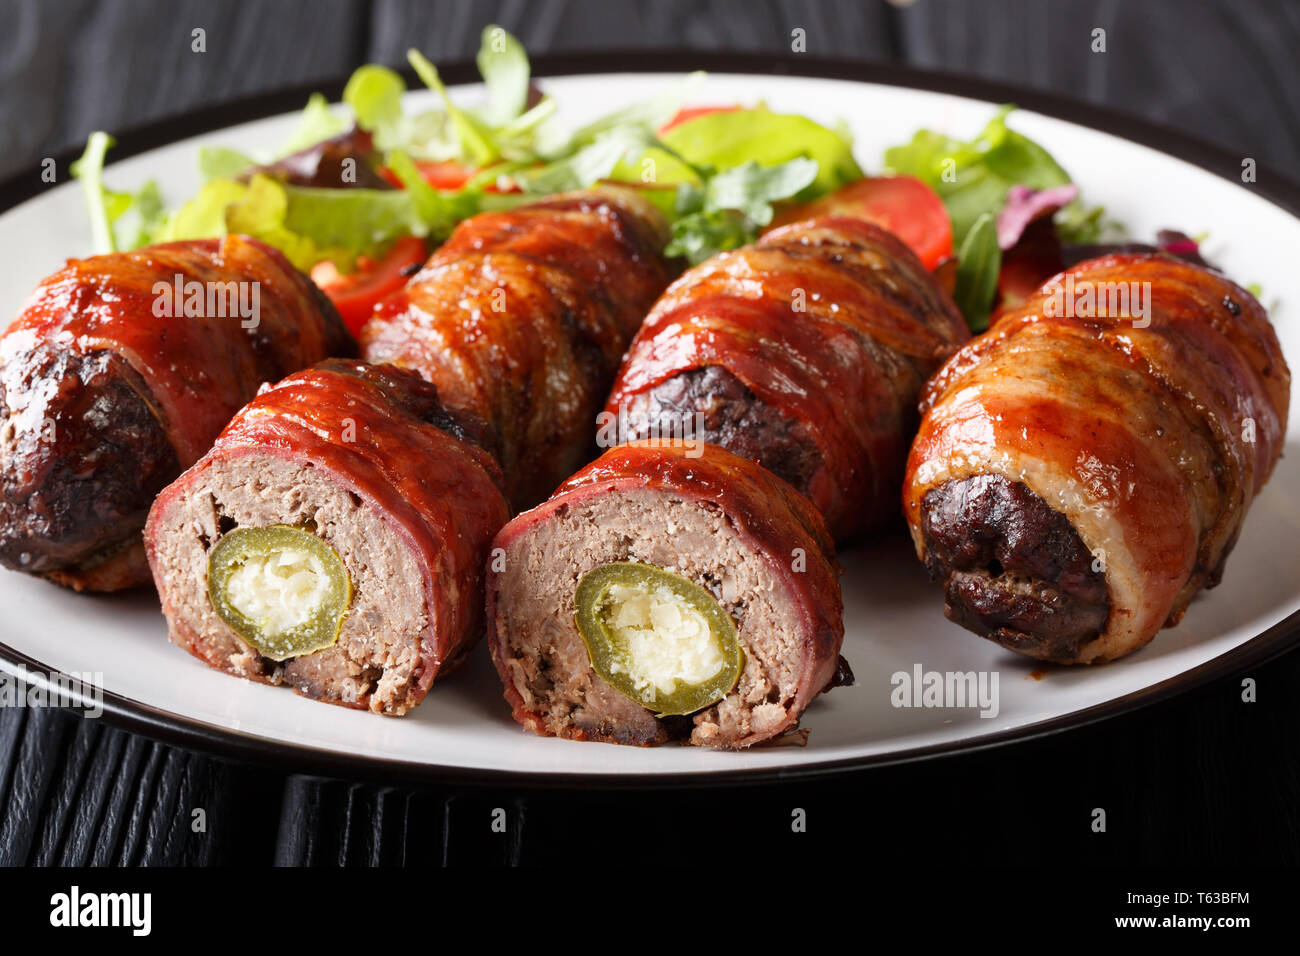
(197, 735)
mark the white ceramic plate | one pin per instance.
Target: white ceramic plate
(893, 616)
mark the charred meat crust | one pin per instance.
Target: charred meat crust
(1014, 570)
(84, 459)
(732, 416)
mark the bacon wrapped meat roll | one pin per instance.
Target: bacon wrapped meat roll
(806, 352)
(1084, 468)
(333, 539)
(520, 319)
(666, 591)
(119, 373)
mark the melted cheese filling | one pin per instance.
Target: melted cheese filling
(280, 590)
(666, 640)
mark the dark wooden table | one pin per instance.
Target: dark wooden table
(1200, 779)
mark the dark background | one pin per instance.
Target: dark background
(1200, 779)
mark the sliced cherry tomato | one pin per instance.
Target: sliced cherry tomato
(905, 206)
(691, 112)
(356, 293)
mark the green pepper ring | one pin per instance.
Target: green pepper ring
(319, 631)
(601, 646)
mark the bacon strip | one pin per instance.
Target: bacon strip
(833, 325)
(520, 319)
(1150, 441)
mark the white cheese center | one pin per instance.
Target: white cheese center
(667, 640)
(279, 590)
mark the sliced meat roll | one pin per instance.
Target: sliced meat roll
(119, 373)
(333, 539)
(1084, 468)
(806, 352)
(520, 319)
(666, 591)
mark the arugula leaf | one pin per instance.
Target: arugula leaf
(751, 188)
(475, 138)
(439, 212)
(973, 178)
(979, 262)
(701, 235)
(728, 208)
(503, 65)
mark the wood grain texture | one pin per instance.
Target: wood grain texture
(1204, 778)
(1222, 69)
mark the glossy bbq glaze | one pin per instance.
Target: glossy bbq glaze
(520, 319)
(531, 632)
(382, 435)
(1147, 444)
(823, 333)
(112, 386)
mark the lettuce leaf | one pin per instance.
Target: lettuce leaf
(733, 138)
(473, 134)
(110, 211)
(503, 64)
(973, 177)
(979, 263)
(316, 124)
(375, 95)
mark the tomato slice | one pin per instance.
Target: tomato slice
(691, 112)
(905, 206)
(356, 293)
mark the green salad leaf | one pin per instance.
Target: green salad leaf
(316, 124)
(751, 188)
(503, 65)
(589, 164)
(973, 177)
(90, 170)
(220, 162)
(716, 176)
(474, 135)
(979, 263)
(728, 208)
(732, 138)
(112, 212)
(375, 95)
